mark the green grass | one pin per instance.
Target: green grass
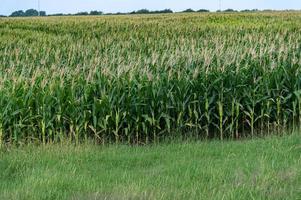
(255, 169)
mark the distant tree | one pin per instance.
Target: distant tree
(230, 10)
(162, 11)
(142, 11)
(19, 13)
(28, 13)
(95, 12)
(82, 13)
(247, 10)
(31, 12)
(268, 10)
(57, 14)
(203, 10)
(118, 13)
(3, 16)
(188, 10)
(145, 11)
(42, 13)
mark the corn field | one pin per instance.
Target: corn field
(139, 79)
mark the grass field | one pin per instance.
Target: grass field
(257, 169)
(141, 78)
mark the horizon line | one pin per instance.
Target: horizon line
(129, 12)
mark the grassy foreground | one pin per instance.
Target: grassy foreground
(256, 169)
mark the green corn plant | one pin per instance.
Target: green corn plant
(118, 124)
(87, 81)
(278, 105)
(237, 114)
(261, 117)
(298, 102)
(77, 131)
(232, 116)
(295, 114)
(43, 131)
(221, 119)
(268, 114)
(1, 134)
(207, 116)
(71, 132)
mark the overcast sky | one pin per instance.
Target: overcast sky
(73, 6)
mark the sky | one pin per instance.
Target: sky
(73, 6)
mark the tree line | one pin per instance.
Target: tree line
(28, 13)
(33, 12)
